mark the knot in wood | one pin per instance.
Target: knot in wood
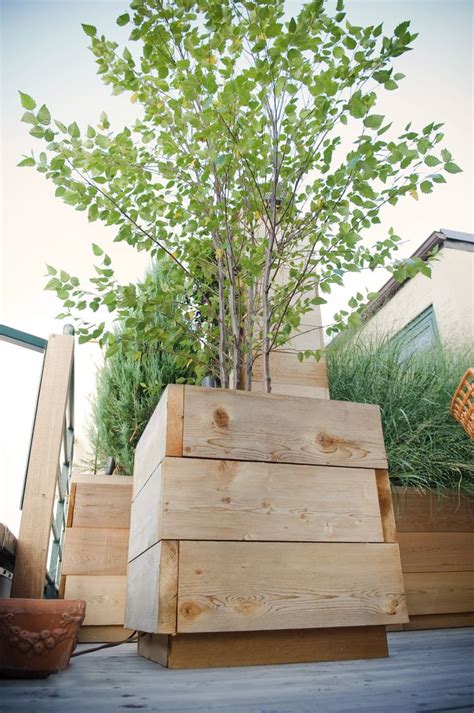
(246, 606)
(221, 418)
(190, 610)
(326, 442)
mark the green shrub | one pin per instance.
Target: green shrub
(426, 448)
(132, 379)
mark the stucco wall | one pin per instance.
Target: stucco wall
(451, 292)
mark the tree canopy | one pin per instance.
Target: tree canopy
(256, 164)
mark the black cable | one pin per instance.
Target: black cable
(109, 645)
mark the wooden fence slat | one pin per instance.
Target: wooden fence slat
(33, 540)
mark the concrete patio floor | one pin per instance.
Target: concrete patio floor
(427, 672)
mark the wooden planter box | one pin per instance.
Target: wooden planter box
(262, 531)
(436, 537)
(94, 564)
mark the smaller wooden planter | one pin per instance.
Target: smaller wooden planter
(436, 537)
(256, 518)
(95, 553)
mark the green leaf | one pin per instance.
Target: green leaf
(374, 121)
(292, 25)
(451, 167)
(432, 161)
(51, 270)
(27, 162)
(53, 284)
(90, 30)
(73, 130)
(43, 116)
(446, 155)
(390, 85)
(97, 250)
(27, 102)
(29, 118)
(37, 132)
(426, 186)
(402, 28)
(123, 19)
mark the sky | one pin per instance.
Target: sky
(44, 53)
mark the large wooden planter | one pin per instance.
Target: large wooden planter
(262, 531)
(436, 536)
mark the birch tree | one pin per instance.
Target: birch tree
(257, 148)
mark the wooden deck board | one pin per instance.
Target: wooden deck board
(428, 671)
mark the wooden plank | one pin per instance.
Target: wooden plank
(104, 596)
(439, 592)
(309, 392)
(33, 540)
(232, 500)
(448, 511)
(103, 634)
(100, 479)
(8, 543)
(168, 591)
(386, 506)
(308, 379)
(154, 647)
(146, 517)
(70, 505)
(238, 648)
(152, 589)
(239, 425)
(103, 505)
(245, 586)
(162, 436)
(90, 550)
(437, 621)
(436, 551)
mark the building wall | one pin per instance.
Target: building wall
(451, 292)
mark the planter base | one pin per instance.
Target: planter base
(254, 648)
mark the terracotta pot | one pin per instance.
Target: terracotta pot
(38, 636)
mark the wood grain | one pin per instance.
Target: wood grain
(286, 368)
(437, 621)
(152, 589)
(291, 377)
(162, 436)
(33, 540)
(70, 505)
(264, 647)
(436, 551)
(386, 506)
(231, 500)
(244, 586)
(104, 596)
(449, 511)
(146, 517)
(439, 592)
(103, 505)
(90, 550)
(237, 425)
(103, 634)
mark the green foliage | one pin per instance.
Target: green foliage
(426, 447)
(129, 386)
(239, 164)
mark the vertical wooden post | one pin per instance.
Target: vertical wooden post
(41, 477)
